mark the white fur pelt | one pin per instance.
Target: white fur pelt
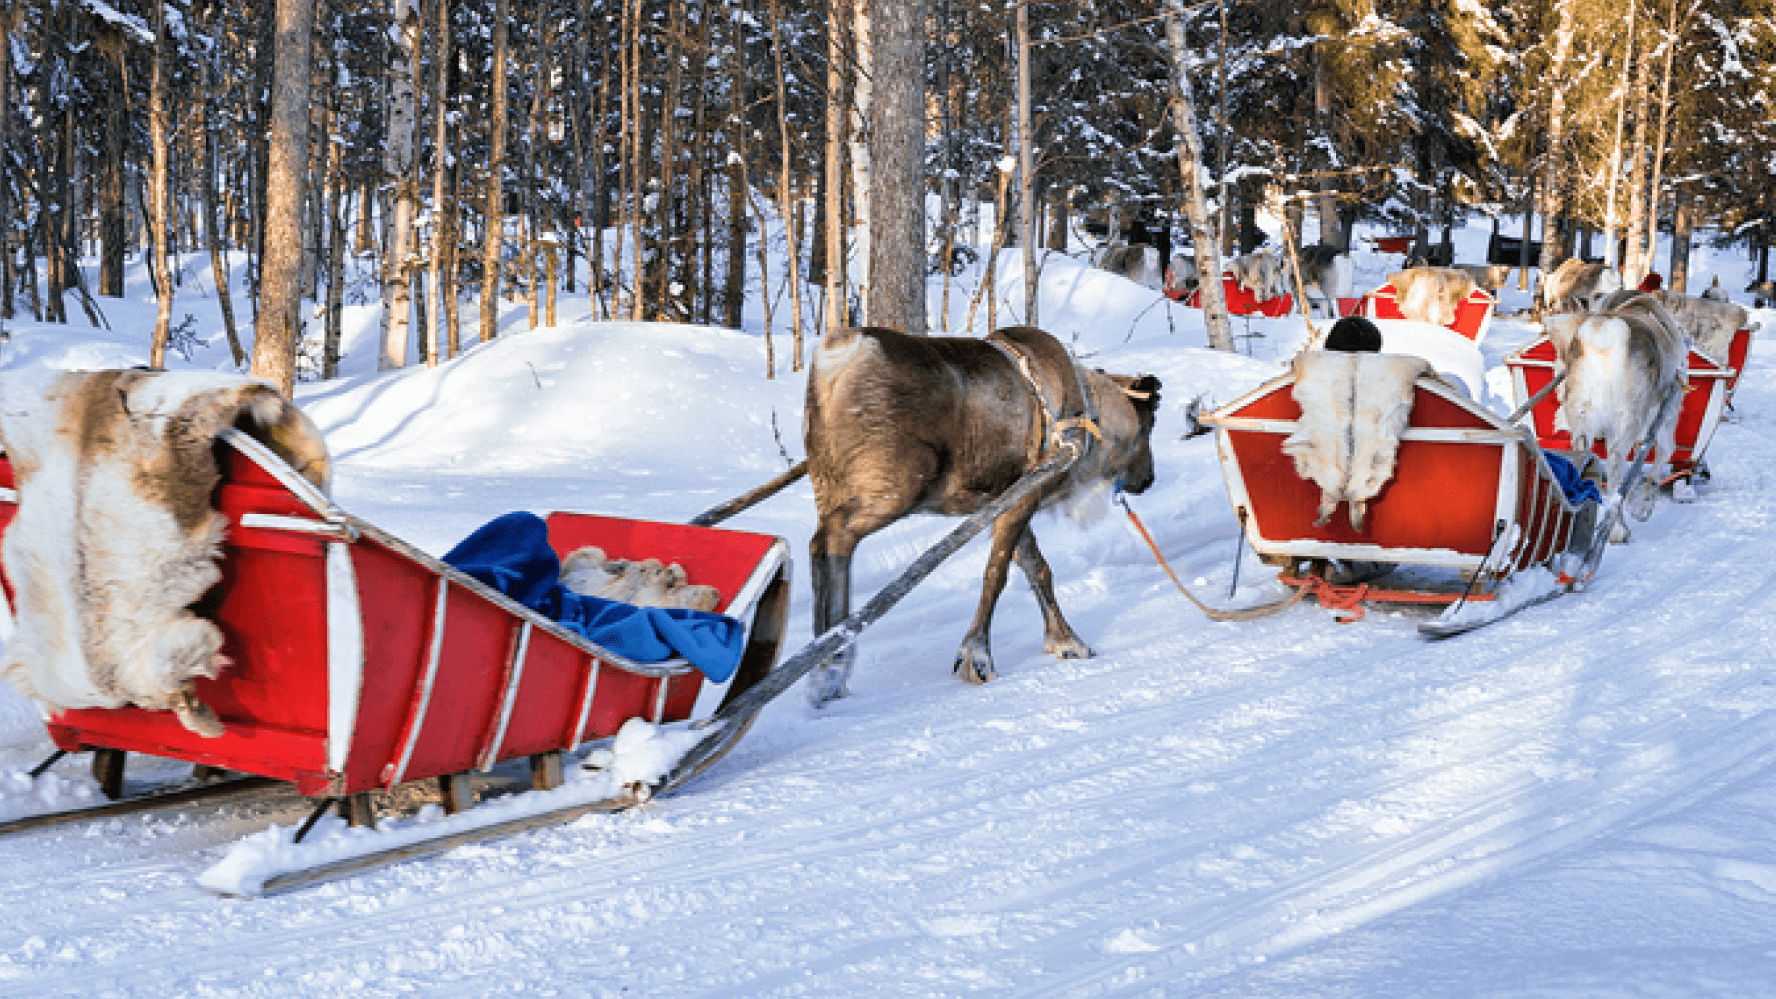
(1710, 322)
(115, 537)
(644, 583)
(1619, 365)
(1430, 294)
(1260, 273)
(1353, 409)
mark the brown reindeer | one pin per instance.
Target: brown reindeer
(900, 424)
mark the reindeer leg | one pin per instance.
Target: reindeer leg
(831, 577)
(829, 557)
(1058, 638)
(974, 660)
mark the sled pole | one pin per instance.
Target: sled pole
(1535, 400)
(745, 501)
(845, 632)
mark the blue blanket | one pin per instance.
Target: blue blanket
(512, 555)
(1577, 490)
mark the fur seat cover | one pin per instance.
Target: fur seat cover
(1353, 409)
(115, 537)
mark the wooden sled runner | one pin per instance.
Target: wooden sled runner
(1474, 518)
(358, 663)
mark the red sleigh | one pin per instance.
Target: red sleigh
(358, 663)
(1472, 501)
(1532, 367)
(1473, 315)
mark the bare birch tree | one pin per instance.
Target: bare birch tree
(397, 168)
(1190, 161)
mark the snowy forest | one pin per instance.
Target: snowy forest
(460, 150)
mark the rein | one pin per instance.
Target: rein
(1215, 614)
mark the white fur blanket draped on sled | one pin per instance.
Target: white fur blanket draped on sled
(1353, 409)
(115, 537)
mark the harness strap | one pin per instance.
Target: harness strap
(1054, 429)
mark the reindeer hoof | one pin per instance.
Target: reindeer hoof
(1069, 648)
(1639, 505)
(827, 683)
(974, 665)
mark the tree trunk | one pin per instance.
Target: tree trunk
(157, 130)
(6, 290)
(494, 210)
(1681, 208)
(1612, 183)
(734, 293)
(1635, 260)
(1331, 225)
(280, 315)
(1026, 168)
(438, 338)
(337, 202)
(834, 165)
(1556, 138)
(397, 168)
(212, 224)
(1658, 179)
(786, 203)
(862, 188)
(112, 235)
(1202, 235)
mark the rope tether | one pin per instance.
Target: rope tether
(1243, 614)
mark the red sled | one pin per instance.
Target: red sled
(1240, 302)
(1699, 412)
(358, 663)
(1473, 315)
(1470, 499)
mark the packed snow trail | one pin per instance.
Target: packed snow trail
(1576, 801)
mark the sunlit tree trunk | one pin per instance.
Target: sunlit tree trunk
(1554, 155)
(1635, 261)
(159, 197)
(1612, 180)
(1651, 236)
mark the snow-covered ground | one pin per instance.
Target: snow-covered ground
(1579, 801)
